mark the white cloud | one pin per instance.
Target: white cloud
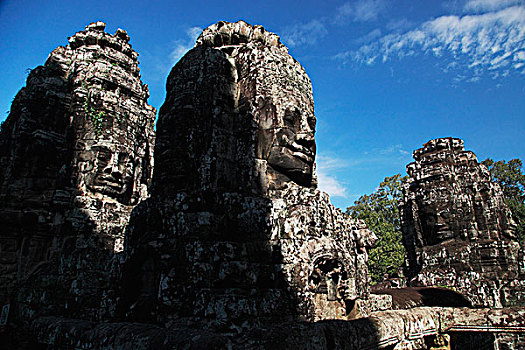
(330, 185)
(489, 5)
(398, 24)
(374, 34)
(488, 41)
(304, 34)
(326, 166)
(311, 32)
(361, 10)
(392, 150)
(161, 59)
(182, 46)
(330, 166)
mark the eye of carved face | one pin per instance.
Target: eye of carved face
(103, 156)
(113, 171)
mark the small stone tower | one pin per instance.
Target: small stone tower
(457, 229)
(75, 158)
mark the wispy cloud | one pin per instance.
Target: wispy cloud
(489, 41)
(182, 46)
(160, 61)
(326, 167)
(304, 34)
(365, 39)
(311, 32)
(331, 166)
(361, 10)
(330, 185)
(489, 5)
(396, 25)
(392, 150)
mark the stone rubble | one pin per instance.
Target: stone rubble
(433, 328)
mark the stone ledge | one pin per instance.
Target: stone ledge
(382, 329)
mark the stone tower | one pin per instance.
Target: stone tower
(75, 159)
(235, 232)
(457, 229)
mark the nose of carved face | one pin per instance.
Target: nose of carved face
(293, 156)
(112, 175)
(304, 147)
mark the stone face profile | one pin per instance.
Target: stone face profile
(457, 229)
(76, 156)
(263, 106)
(235, 232)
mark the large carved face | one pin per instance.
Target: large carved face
(437, 221)
(292, 152)
(113, 170)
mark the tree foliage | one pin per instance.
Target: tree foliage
(512, 180)
(380, 212)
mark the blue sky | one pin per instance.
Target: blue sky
(387, 75)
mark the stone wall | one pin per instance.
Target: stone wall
(75, 158)
(457, 228)
(236, 232)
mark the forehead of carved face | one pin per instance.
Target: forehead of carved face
(292, 149)
(112, 172)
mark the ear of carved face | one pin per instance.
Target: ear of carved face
(112, 172)
(292, 152)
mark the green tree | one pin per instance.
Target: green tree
(512, 180)
(380, 212)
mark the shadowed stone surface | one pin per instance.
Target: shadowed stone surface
(457, 228)
(75, 158)
(236, 233)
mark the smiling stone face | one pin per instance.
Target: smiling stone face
(456, 225)
(113, 170)
(292, 152)
(278, 95)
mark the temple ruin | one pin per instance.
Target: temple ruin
(245, 236)
(228, 243)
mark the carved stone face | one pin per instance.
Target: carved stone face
(112, 171)
(329, 277)
(292, 152)
(437, 222)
